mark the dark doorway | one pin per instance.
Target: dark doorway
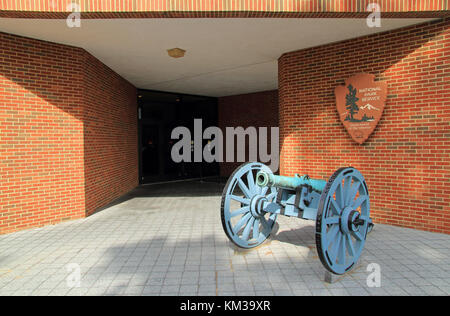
(159, 113)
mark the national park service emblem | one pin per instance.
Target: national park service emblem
(360, 104)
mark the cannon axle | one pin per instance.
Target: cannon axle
(257, 205)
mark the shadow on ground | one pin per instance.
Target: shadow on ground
(189, 188)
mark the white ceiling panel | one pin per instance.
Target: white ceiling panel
(223, 56)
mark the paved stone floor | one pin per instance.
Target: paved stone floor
(168, 240)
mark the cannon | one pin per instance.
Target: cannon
(253, 197)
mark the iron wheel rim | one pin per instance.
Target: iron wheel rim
(254, 230)
(339, 248)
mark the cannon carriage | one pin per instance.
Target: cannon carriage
(253, 198)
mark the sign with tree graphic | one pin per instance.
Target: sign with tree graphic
(360, 104)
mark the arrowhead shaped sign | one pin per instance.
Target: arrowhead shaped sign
(360, 104)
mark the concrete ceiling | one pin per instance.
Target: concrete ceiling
(223, 56)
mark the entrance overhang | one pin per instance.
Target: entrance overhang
(231, 46)
(94, 9)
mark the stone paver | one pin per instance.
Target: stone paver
(168, 240)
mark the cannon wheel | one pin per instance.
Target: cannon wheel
(343, 220)
(242, 225)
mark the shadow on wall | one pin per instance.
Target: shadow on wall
(401, 160)
(68, 133)
(261, 110)
(110, 135)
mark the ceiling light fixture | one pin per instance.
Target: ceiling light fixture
(176, 52)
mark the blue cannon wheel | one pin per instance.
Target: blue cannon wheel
(343, 220)
(243, 221)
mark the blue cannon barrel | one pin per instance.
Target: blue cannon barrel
(291, 183)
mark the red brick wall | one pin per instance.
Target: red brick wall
(110, 134)
(94, 9)
(49, 129)
(406, 161)
(258, 109)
